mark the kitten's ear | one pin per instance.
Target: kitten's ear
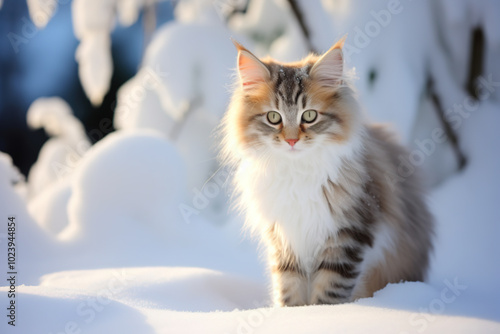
(251, 70)
(329, 68)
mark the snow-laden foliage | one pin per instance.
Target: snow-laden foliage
(274, 29)
(182, 88)
(93, 22)
(458, 19)
(95, 65)
(41, 11)
(11, 173)
(62, 152)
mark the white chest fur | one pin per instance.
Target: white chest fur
(289, 192)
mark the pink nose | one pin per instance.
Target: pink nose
(291, 141)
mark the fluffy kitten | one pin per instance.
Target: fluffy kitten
(320, 185)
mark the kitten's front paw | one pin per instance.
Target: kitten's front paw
(289, 302)
(327, 300)
(290, 290)
(329, 288)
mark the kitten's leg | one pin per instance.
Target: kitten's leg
(289, 280)
(289, 286)
(338, 269)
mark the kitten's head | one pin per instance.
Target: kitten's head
(293, 108)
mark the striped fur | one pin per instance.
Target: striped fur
(337, 220)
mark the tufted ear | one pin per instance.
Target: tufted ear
(329, 68)
(250, 69)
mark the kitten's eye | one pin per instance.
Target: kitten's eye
(274, 117)
(309, 116)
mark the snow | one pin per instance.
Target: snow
(128, 11)
(471, 214)
(48, 206)
(163, 288)
(95, 65)
(93, 22)
(182, 88)
(177, 300)
(463, 16)
(268, 23)
(134, 234)
(149, 166)
(41, 11)
(62, 152)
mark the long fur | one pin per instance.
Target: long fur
(337, 220)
